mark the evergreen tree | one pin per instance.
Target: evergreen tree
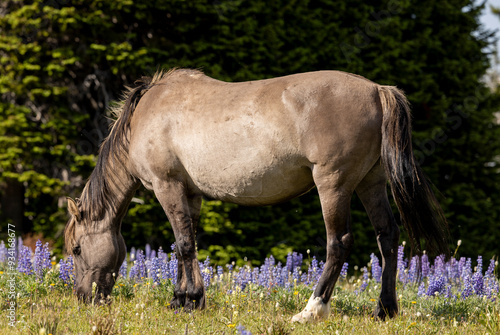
(64, 62)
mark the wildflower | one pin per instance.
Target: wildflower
(376, 268)
(436, 285)
(138, 270)
(478, 283)
(425, 265)
(155, 270)
(343, 272)
(66, 270)
(413, 270)
(242, 331)
(123, 269)
(468, 288)
(24, 264)
(41, 259)
(364, 285)
(3, 252)
(421, 289)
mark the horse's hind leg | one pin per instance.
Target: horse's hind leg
(373, 193)
(335, 197)
(189, 291)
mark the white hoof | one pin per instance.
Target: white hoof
(315, 310)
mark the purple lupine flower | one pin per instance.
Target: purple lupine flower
(453, 270)
(296, 275)
(421, 289)
(265, 276)
(479, 267)
(132, 255)
(147, 249)
(289, 262)
(247, 278)
(41, 259)
(162, 255)
(242, 331)
(172, 267)
(138, 270)
(439, 266)
(312, 272)
(283, 278)
(343, 271)
(304, 279)
(401, 263)
(297, 260)
(133, 272)
(20, 245)
(123, 268)
(206, 272)
(220, 271)
(478, 283)
(376, 268)
(413, 270)
(364, 284)
(425, 266)
(141, 263)
(255, 276)
(172, 247)
(461, 267)
(275, 274)
(436, 285)
(467, 269)
(492, 289)
(66, 270)
(468, 289)
(155, 270)
(3, 252)
(491, 269)
(24, 264)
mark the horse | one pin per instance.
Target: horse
(186, 136)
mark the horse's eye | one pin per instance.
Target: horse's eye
(76, 250)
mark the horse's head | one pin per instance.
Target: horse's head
(98, 250)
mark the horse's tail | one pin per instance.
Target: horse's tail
(421, 214)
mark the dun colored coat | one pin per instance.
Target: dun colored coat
(184, 135)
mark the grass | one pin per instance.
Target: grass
(50, 307)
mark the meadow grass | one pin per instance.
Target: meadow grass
(46, 303)
(143, 308)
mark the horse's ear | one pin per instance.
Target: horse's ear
(73, 209)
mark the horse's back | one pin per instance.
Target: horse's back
(254, 142)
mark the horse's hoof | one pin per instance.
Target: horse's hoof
(316, 310)
(382, 313)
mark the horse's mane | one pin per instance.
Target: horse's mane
(113, 154)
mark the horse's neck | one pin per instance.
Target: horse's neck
(122, 190)
(109, 191)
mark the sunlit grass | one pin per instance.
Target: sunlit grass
(143, 308)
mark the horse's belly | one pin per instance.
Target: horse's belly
(254, 186)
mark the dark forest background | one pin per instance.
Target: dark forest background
(64, 62)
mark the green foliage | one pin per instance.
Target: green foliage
(62, 63)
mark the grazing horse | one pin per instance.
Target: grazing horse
(184, 135)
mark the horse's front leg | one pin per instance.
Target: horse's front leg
(189, 291)
(335, 203)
